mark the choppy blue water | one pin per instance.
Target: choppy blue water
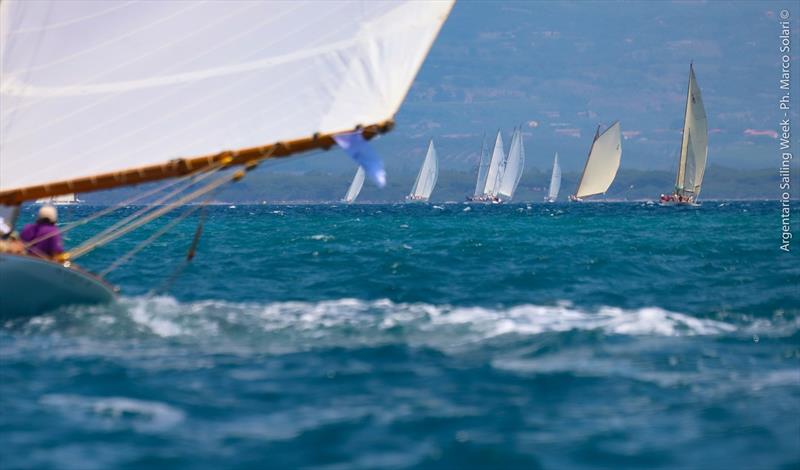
(423, 336)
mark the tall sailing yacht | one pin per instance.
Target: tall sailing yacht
(498, 180)
(555, 181)
(355, 187)
(601, 164)
(182, 91)
(694, 149)
(512, 168)
(426, 178)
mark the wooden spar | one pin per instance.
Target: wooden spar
(181, 166)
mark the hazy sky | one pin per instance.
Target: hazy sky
(562, 68)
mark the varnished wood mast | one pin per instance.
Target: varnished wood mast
(180, 167)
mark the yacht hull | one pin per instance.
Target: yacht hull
(31, 286)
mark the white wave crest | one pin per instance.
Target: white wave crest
(291, 326)
(165, 317)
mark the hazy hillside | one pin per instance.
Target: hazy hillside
(562, 68)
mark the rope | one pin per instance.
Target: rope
(110, 209)
(167, 284)
(98, 241)
(119, 224)
(144, 243)
(87, 247)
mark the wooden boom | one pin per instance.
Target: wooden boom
(181, 166)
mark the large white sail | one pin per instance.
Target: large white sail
(355, 186)
(427, 176)
(694, 146)
(92, 87)
(602, 163)
(555, 180)
(495, 167)
(514, 165)
(483, 168)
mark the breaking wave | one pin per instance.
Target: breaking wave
(289, 326)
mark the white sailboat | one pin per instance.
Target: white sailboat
(62, 200)
(494, 170)
(483, 168)
(355, 187)
(427, 176)
(512, 168)
(555, 181)
(601, 164)
(99, 95)
(694, 148)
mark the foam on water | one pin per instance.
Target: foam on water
(115, 412)
(355, 323)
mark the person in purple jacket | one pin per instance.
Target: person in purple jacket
(45, 231)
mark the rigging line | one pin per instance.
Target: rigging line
(119, 225)
(167, 284)
(235, 176)
(146, 242)
(83, 249)
(114, 207)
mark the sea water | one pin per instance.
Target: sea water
(527, 336)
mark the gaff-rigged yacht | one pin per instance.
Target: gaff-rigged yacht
(694, 149)
(601, 164)
(158, 80)
(426, 178)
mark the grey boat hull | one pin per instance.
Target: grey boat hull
(31, 286)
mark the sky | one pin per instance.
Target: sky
(560, 69)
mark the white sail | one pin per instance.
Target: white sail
(602, 163)
(427, 176)
(91, 87)
(483, 168)
(514, 165)
(694, 146)
(555, 180)
(355, 186)
(495, 167)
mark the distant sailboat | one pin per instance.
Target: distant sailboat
(486, 190)
(555, 181)
(62, 200)
(355, 186)
(427, 176)
(601, 164)
(512, 168)
(694, 148)
(483, 168)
